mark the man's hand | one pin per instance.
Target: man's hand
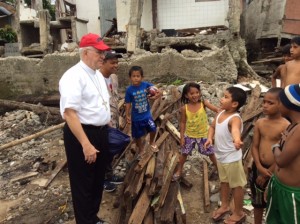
(90, 153)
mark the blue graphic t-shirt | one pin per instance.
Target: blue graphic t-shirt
(137, 96)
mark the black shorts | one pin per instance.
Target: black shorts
(257, 193)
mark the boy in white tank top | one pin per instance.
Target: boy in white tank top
(227, 128)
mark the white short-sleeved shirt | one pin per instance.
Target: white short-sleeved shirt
(84, 90)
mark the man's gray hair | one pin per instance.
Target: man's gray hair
(84, 48)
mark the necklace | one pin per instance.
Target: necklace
(97, 85)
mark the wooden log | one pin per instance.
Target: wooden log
(141, 208)
(168, 209)
(27, 138)
(57, 169)
(30, 107)
(206, 187)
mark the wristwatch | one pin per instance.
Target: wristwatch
(275, 146)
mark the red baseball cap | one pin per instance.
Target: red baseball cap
(93, 40)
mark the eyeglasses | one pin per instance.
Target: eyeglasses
(101, 53)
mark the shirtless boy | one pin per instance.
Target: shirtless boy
(267, 131)
(284, 186)
(293, 66)
(280, 72)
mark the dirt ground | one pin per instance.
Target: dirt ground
(25, 169)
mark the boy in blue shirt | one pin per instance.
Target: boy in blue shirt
(137, 99)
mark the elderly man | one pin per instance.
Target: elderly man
(84, 104)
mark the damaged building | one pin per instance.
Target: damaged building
(267, 25)
(210, 50)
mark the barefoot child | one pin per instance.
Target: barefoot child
(280, 72)
(267, 131)
(293, 66)
(193, 125)
(227, 128)
(284, 186)
(136, 99)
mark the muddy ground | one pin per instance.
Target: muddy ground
(27, 199)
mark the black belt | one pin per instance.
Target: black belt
(88, 126)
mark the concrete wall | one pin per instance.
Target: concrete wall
(89, 10)
(176, 14)
(263, 19)
(21, 75)
(26, 13)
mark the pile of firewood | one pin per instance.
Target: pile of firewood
(148, 192)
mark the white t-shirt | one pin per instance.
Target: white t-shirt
(84, 90)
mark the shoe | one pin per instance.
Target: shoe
(109, 187)
(116, 179)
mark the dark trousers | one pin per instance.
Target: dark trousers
(86, 180)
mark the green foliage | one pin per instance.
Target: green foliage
(177, 82)
(51, 8)
(8, 34)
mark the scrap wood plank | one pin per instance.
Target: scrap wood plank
(168, 179)
(27, 138)
(206, 187)
(123, 153)
(179, 198)
(57, 169)
(150, 168)
(24, 176)
(143, 162)
(149, 219)
(141, 208)
(172, 129)
(137, 185)
(168, 209)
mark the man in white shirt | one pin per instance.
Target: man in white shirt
(84, 104)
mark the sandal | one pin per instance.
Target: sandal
(220, 215)
(154, 148)
(231, 221)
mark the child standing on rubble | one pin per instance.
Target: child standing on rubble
(267, 131)
(193, 125)
(227, 128)
(280, 72)
(137, 100)
(293, 66)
